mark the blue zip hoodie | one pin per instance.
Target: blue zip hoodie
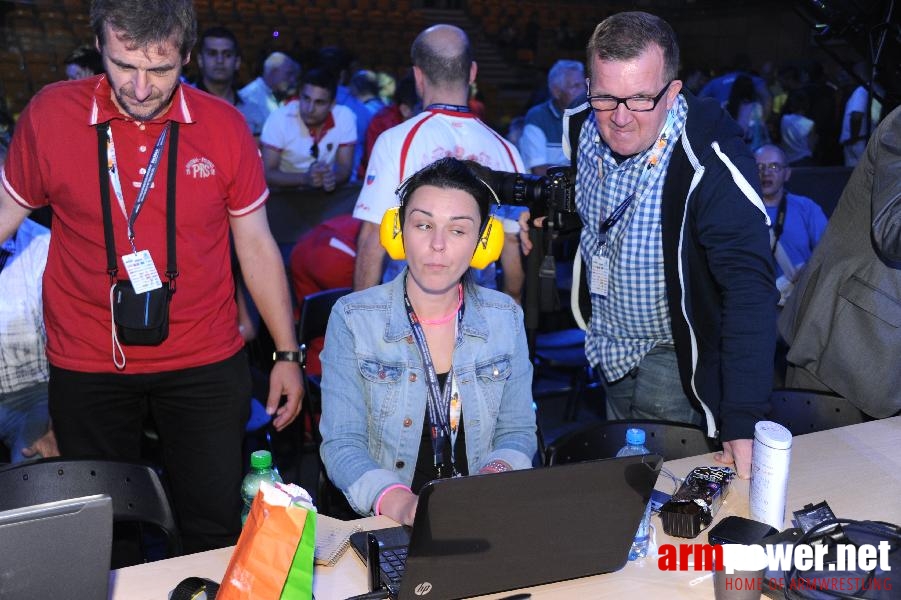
(719, 270)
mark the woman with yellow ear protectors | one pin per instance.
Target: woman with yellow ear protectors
(427, 376)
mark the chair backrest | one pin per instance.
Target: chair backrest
(315, 313)
(135, 489)
(604, 438)
(805, 411)
(313, 322)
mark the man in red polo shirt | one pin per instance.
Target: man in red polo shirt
(196, 382)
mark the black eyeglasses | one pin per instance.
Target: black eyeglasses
(773, 167)
(633, 103)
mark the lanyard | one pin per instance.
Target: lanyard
(449, 107)
(653, 160)
(149, 174)
(444, 415)
(610, 221)
(780, 222)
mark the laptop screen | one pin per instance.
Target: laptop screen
(491, 533)
(43, 549)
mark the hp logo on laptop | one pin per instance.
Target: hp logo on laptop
(423, 588)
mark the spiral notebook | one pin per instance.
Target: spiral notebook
(332, 539)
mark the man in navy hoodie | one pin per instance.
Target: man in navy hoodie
(675, 243)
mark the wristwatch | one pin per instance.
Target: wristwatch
(287, 356)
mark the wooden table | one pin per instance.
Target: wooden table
(857, 469)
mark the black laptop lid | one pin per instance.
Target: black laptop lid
(57, 550)
(491, 533)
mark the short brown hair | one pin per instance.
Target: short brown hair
(143, 22)
(626, 35)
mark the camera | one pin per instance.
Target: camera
(552, 195)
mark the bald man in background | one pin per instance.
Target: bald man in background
(443, 68)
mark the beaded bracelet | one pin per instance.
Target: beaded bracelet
(496, 466)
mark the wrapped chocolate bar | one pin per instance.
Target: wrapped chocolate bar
(693, 506)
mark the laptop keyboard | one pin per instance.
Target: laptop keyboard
(392, 564)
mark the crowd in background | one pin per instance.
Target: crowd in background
(317, 116)
(324, 122)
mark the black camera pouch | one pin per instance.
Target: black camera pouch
(141, 319)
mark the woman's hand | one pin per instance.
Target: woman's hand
(399, 504)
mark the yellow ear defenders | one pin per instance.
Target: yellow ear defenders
(488, 250)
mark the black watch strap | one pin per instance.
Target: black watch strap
(288, 356)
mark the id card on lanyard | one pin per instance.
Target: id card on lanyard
(139, 265)
(443, 407)
(599, 282)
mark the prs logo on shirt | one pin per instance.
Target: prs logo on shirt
(200, 168)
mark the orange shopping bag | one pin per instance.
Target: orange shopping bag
(273, 559)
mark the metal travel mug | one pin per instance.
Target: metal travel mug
(769, 473)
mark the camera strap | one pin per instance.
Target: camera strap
(103, 140)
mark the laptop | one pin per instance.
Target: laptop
(492, 533)
(57, 549)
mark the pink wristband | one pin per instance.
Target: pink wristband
(378, 503)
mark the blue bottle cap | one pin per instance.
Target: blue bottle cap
(635, 436)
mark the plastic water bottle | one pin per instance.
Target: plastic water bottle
(634, 447)
(260, 470)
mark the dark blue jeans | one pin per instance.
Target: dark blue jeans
(200, 414)
(23, 418)
(653, 390)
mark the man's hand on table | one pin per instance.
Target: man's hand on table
(737, 453)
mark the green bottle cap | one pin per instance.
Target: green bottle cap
(261, 459)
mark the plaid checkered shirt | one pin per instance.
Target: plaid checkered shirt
(633, 317)
(23, 361)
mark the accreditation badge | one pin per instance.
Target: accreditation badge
(600, 274)
(142, 271)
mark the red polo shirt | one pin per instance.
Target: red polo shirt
(53, 160)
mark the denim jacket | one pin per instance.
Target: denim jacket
(374, 390)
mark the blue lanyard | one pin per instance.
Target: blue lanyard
(617, 214)
(439, 400)
(147, 180)
(450, 107)
(653, 160)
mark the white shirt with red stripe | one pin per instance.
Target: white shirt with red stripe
(420, 141)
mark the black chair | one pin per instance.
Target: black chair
(137, 493)
(314, 316)
(806, 411)
(603, 439)
(313, 322)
